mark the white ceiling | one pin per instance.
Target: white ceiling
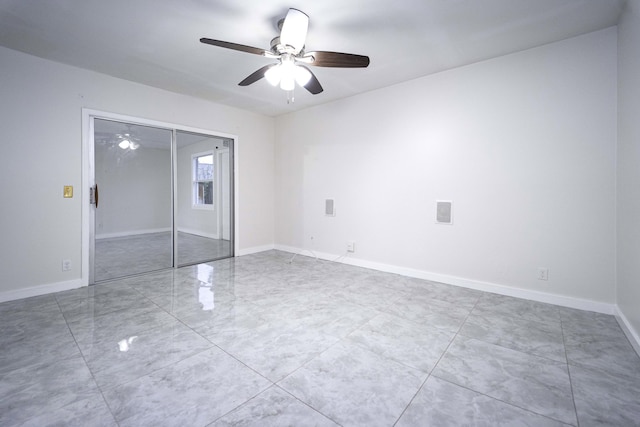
(156, 42)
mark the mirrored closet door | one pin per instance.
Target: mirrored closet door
(162, 198)
(204, 193)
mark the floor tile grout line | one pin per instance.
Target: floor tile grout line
(103, 389)
(307, 404)
(84, 359)
(499, 400)
(507, 347)
(573, 394)
(431, 374)
(435, 365)
(511, 349)
(239, 405)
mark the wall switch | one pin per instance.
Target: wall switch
(351, 246)
(66, 264)
(543, 273)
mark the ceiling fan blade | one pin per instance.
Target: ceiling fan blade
(337, 59)
(256, 75)
(313, 85)
(235, 46)
(294, 30)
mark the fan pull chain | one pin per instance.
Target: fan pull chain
(290, 97)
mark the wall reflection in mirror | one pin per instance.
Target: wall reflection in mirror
(140, 214)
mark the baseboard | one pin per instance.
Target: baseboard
(34, 291)
(254, 250)
(629, 331)
(198, 233)
(560, 300)
(131, 233)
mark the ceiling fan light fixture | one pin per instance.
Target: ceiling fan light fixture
(124, 144)
(287, 73)
(302, 75)
(288, 82)
(273, 75)
(294, 29)
(289, 49)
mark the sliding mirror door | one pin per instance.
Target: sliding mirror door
(133, 222)
(204, 188)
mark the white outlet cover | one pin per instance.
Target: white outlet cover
(543, 273)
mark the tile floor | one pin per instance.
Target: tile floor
(258, 341)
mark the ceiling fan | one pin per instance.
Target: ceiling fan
(288, 49)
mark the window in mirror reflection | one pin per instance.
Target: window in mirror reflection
(203, 180)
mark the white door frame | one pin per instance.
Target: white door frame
(221, 179)
(88, 174)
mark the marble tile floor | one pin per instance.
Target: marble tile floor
(260, 341)
(125, 256)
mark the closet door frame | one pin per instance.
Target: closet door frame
(88, 180)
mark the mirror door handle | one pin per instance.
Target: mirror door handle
(93, 195)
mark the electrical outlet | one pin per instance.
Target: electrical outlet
(66, 264)
(543, 273)
(351, 246)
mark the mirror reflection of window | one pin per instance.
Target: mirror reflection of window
(204, 188)
(203, 180)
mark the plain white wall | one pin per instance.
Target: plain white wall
(40, 107)
(523, 144)
(628, 237)
(134, 190)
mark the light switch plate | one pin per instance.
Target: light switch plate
(67, 192)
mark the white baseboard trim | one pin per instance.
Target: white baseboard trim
(34, 291)
(560, 300)
(254, 250)
(131, 233)
(629, 331)
(198, 233)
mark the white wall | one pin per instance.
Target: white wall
(134, 190)
(523, 144)
(628, 208)
(40, 107)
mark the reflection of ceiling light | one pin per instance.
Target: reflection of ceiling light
(206, 298)
(124, 345)
(204, 272)
(127, 143)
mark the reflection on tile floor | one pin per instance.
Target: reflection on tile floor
(258, 340)
(125, 256)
